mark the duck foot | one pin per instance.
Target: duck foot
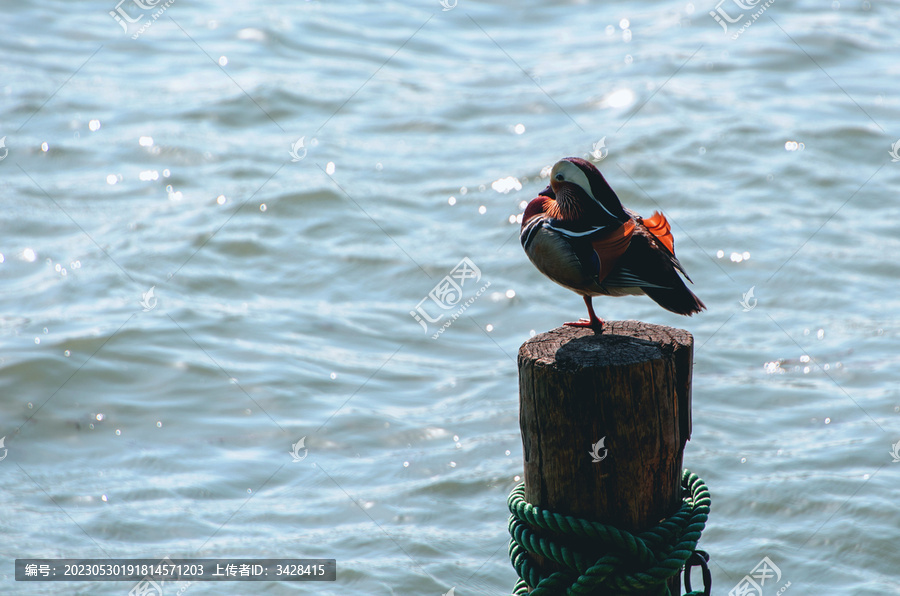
(596, 324)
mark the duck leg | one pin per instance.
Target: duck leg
(594, 322)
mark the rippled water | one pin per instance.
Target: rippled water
(143, 425)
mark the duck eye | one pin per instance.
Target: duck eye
(560, 177)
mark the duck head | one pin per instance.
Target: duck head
(581, 190)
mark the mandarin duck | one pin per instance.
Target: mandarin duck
(577, 233)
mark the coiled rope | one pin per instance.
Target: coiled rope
(601, 559)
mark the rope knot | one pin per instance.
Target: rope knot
(599, 558)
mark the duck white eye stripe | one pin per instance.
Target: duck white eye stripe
(576, 234)
(578, 177)
(602, 206)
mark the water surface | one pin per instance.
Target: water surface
(152, 426)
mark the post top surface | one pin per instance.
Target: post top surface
(619, 343)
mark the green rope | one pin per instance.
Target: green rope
(601, 559)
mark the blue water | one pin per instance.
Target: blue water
(150, 426)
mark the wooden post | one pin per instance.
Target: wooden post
(630, 384)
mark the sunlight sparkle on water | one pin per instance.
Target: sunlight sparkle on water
(111, 179)
(223, 60)
(172, 194)
(251, 34)
(45, 147)
(773, 368)
(619, 98)
(145, 141)
(329, 168)
(504, 185)
(451, 201)
(221, 199)
(29, 255)
(519, 129)
(94, 125)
